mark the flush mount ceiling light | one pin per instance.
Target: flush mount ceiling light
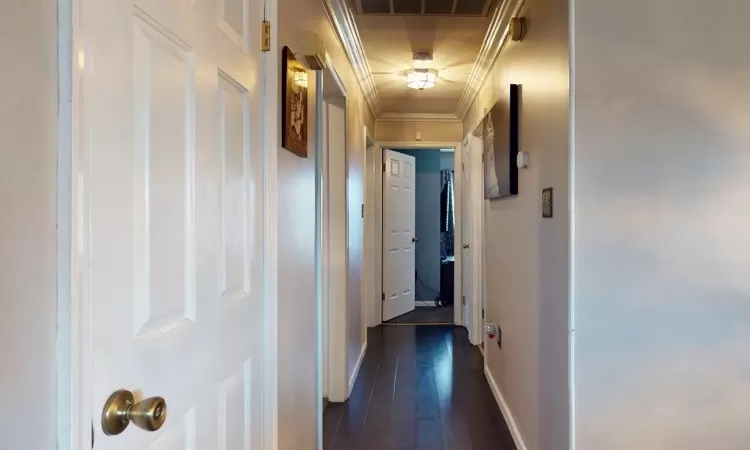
(421, 79)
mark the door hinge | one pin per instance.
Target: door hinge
(383, 167)
(265, 40)
(382, 296)
(482, 313)
(363, 210)
(463, 300)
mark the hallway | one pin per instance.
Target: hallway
(426, 315)
(419, 388)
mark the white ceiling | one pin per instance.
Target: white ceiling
(389, 42)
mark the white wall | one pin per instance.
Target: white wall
(355, 192)
(297, 308)
(527, 256)
(28, 236)
(406, 131)
(427, 224)
(662, 220)
(335, 146)
(373, 206)
(345, 263)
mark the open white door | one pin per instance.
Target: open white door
(466, 228)
(472, 232)
(172, 252)
(398, 234)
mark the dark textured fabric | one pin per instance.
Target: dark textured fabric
(447, 214)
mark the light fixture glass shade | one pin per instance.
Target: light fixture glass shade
(300, 79)
(421, 78)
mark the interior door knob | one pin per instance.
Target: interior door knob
(120, 410)
(414, 239)
(466, 245)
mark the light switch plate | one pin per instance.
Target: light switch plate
(547, 205)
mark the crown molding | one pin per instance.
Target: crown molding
(494, 42)
(342, 20)
(416, 117)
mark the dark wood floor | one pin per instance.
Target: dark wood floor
(419, 388)
(427, 315)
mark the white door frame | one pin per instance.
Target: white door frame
(368, 247)
(321, 252)
(338, 377)
(375, 306)
(476, 237)
(76, 411)
(373, 158)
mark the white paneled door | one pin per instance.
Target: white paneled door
(174, 203)
(466, 230)
(398, 234)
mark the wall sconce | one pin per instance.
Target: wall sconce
(300, 78)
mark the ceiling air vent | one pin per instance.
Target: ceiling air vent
(423, 7)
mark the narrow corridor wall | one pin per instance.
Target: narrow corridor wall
(406, 131)
(296, 207)
(28, 223)
(662, 224)
(527, 257)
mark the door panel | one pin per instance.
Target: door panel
(398, 234)
(466, 227)
(175, 237)
(324, 255)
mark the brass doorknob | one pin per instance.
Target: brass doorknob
(120, 410)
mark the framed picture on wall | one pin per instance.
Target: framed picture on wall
(293, 104)
(498, 131)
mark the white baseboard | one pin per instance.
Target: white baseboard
(353, 378)
(512, 426)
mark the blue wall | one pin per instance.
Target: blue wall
(446, 160)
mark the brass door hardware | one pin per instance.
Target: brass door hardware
(121, 409)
